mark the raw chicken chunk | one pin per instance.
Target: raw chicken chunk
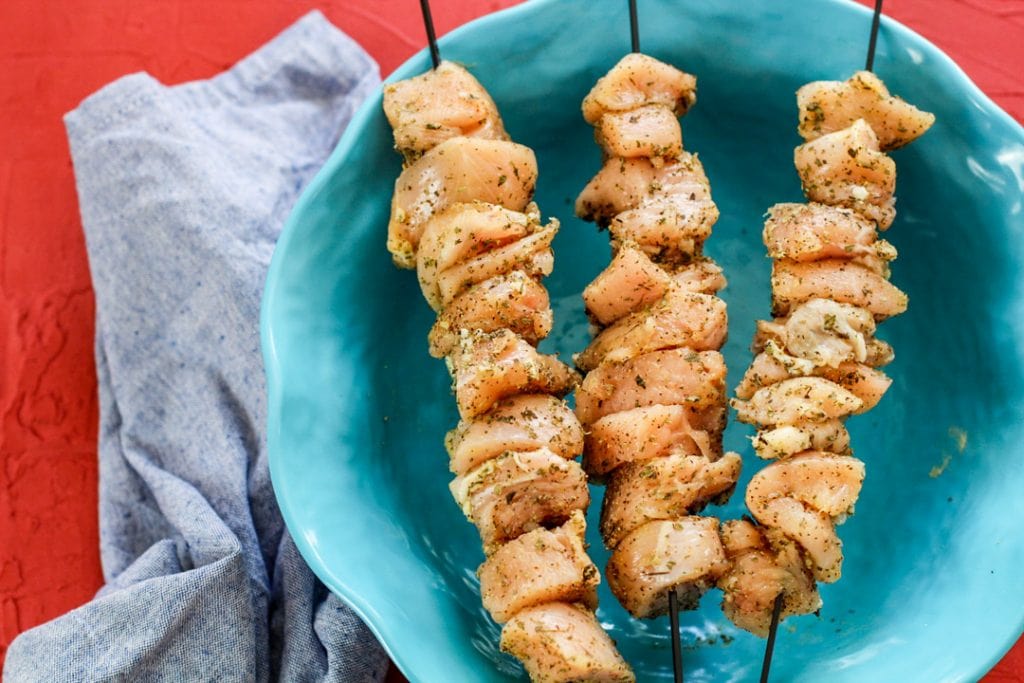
(440, 104)
(811, 232)
(644, 433)
(540, 566)
(456, 171)
(803, 496)
(683, 555)
(519, 423)
(767, 369)
(781, 442)
(836, 279)
(828, 106)
(673, 377)
(624, 184)
(638, 80)
(464, 231)
(531, 254)
(514, 301)
(863, 381)
(517, 492)
(650, 131)
(667, 487)
(680, 318)
(757, 574)
(825, 482)
(670, 227)
(564, 643)
(827, 333)
(630, 282)
(703, 276)
(866, 383)
(846, 168)
(490, 366)
(813, 531)
(794, 401)
(877, 352)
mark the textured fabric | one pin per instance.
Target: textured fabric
(183, 191)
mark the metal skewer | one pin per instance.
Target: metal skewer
(677, 649)
(673, 601)
(769, 647)
(634, 27)
(428, 23)
(875, 21)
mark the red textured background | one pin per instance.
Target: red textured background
(55, 52)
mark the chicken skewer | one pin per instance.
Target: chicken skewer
(817, 361)
(653, 399)
(462, 215)
(673, 602)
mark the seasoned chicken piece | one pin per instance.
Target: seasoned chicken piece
(827, 333)
(757, 574)
(864, 382)
(630, 282)
(845, 168)
(490, 366)
(836, 279)
(828, 106)
(644, 433)
(812, 530)
(683, 555)
(442, 103)
(803, 496)
(875, 263)
(767, 369)
(680, 318)
(517, 492)
(532, 255)
(703, 276)
(672, 377)
(794, 401)
(639, 80)
(877, 352)
(772, 366)
(667, 487)
(540, 566)
(623, 184)
(823, 481)
(514, 301)
(781, 442)
(464, 231)
(564, 643)
(670, 227)
(456, 171)
(811, 232)
(649, 131)
(519, 423)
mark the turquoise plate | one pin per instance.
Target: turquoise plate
(933, 587)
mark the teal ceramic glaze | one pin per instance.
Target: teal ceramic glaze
(933, 586)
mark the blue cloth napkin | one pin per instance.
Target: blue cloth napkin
(183, 192)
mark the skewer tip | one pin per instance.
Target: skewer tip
(428, 24)
(677, 647)
(769, 647)
(634, 27)
(876, 20)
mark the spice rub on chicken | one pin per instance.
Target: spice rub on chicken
(463, 216)
(817, 362)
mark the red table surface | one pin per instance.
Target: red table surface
(54, 53)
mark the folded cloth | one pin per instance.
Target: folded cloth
(183, 192)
